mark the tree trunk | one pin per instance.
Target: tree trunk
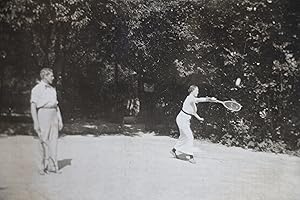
(141, 94)
(118, 104)
(1, 86)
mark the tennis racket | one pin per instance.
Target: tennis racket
(230, 105)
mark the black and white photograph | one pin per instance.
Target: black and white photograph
(149, 100)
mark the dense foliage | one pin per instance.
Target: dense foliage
(103, 53)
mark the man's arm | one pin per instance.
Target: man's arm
(36, 124)
(60, 122)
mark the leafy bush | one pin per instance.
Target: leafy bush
(104, 51)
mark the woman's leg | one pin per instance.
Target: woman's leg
(185, 142)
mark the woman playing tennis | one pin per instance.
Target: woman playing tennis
(184, 145)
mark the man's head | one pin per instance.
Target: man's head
(47, 75)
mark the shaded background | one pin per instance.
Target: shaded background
(105, 53)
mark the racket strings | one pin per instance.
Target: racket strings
(232, 105)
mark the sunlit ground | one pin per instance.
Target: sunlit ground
(121, 167)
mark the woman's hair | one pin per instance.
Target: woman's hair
(45, 71)
(191, 88)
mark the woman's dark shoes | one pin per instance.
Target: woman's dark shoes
(173, 152)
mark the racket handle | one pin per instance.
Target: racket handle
(218, 101)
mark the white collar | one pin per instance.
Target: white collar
(45, 84)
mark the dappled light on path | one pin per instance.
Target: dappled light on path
(141, 168)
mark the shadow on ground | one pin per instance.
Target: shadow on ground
(80, 127)
(100, 128)
(3, 188)
(64, 163)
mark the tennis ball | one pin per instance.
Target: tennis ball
(238, 81)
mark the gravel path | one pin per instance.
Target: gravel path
(140, 167)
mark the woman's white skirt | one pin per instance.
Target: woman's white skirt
(185, 142)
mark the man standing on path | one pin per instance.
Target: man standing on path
(47, 120)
